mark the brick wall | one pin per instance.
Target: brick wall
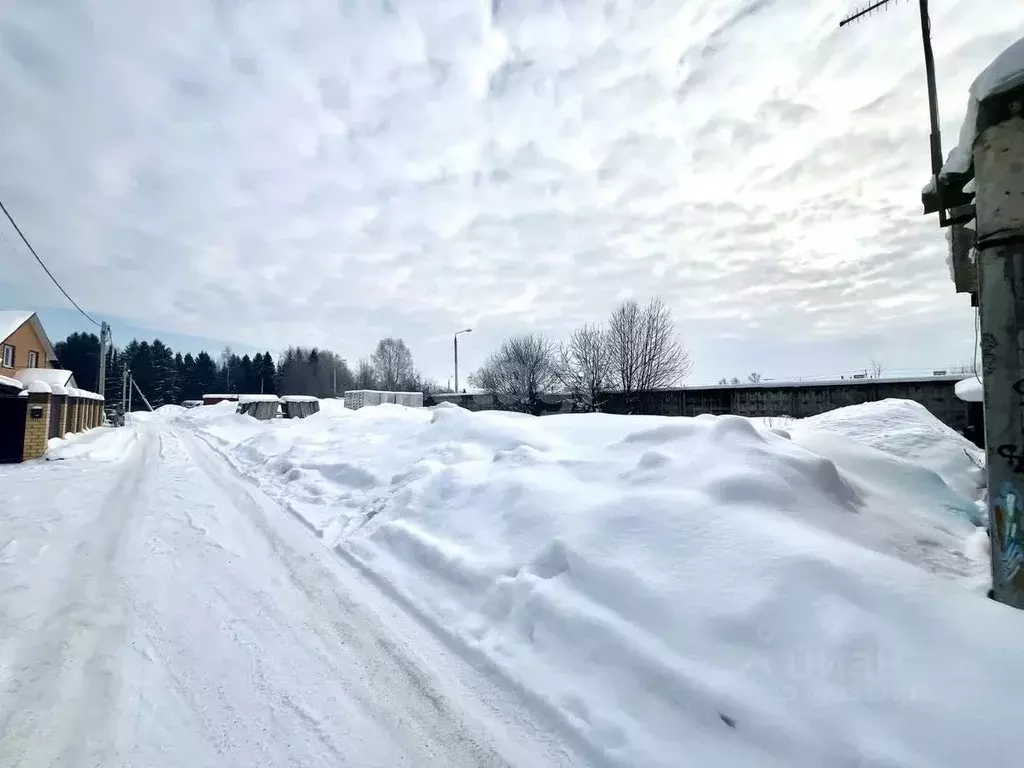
(37, 426)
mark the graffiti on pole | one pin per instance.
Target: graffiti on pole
(1014, 457)
(989, 343)
(1006, 530)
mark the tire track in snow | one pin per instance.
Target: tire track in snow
(60, 692)
(533, 713)
(399, 695)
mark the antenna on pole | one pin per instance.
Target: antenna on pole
(864, 12)
(935, 138)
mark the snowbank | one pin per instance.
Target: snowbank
(743, 595)
(906, 430)
(101, 444)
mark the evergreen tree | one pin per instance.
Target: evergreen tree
(248, 382)
(139, 359)
(267, 372)
(165, 385)
(190, 389)
(179, 377)
(206, 375)
(115, 378)
(80, 354)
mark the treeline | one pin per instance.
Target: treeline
(634, 352)
(166, 376)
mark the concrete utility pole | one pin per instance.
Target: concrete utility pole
(124, 392)
(131, 383)
(456, 339)
(998, 157)
(104, 338)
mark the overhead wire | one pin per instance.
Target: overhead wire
(46, 269)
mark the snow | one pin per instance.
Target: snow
(9, 382)
(299, 399)
(1005, 73)
(361, 398)
(970, 390)
(50, 375)
(102, 444)
(35, 387)
(907, 431)
(11, 320)
(159, 611)
(57, 389)
(82, 394)
(258, 399)
(805, 594)
(406, 586)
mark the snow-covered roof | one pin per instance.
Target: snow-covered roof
(6, 381)
(299, 399)
(81, 394)
(1005, 73)
(51, 376)
(11, 320)
(970, 390)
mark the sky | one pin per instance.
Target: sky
(329, 173)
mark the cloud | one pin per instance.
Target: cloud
(335, 172)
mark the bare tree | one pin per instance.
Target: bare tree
(754, 378)
(519, 373)
(583, 366)
(392, 365)
(646, 351)
(876, 369)
(962, 368)
(365, 378)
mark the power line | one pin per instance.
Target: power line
(45, 268)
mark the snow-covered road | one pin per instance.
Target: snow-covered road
(164, 612)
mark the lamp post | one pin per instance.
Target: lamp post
(456, 339)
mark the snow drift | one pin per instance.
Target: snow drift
(701, 589)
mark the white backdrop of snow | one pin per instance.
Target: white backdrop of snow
(803, 596)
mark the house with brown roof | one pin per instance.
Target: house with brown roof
(23, 343)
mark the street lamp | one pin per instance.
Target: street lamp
(456, 339)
